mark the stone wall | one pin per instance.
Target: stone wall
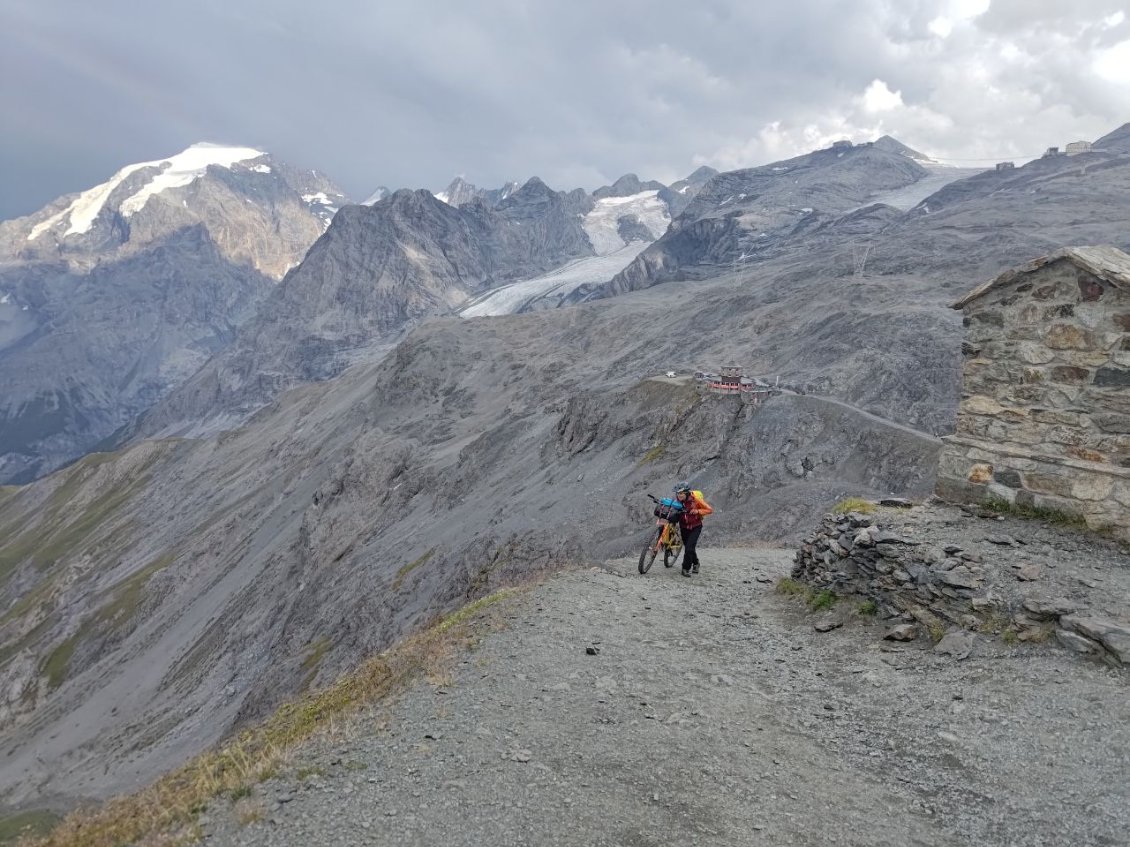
(1044, 418)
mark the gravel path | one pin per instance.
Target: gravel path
(714, 714)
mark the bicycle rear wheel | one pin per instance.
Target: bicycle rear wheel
(650, 551)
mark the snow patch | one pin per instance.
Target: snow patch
(601, 224)
(319, 197)
(176, 171)
(443, 197)
(5, 299)
(185, 168)
(261, 169)
(508, 299)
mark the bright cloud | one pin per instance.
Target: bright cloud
(879, 98)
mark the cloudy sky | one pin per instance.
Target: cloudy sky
(575, 91)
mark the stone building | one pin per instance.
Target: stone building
(1044, 418)
(1077, 147)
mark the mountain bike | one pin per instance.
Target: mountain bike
(666, 536)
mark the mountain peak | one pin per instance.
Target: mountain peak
(174, 172)
(891, 144)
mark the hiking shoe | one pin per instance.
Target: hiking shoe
(694, 569)
(686, 572)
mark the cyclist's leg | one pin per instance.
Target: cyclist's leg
(690, 545)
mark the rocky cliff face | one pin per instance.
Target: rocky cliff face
(376, 272)
(110, 298)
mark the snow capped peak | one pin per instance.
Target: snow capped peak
(377, 196)
(173, 172)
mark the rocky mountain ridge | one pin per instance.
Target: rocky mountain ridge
(376, 272)
(112, 297)
(959, 226)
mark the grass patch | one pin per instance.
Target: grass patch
(815, 600)
(26, 824)
(129, 593)
(239, 792)
(303, 774)
(822, 600)
(654, 454)
(57, 664)
(868, 608)
(854, 504)
(1010, 636)
(250, 813)
(313, 660)
(792, 587)
(411, 566)
(172, 803)
(1055, 517)
(317, 651)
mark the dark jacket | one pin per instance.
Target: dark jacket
(695, 508)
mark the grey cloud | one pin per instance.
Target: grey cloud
(576, 91)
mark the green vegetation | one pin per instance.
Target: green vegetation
(26, 824)
(411, 566)
(317, 651)
(1037, 513)
(854, 504)
(822, 600)
(239, 792)
(55, 668)
(169, 807)
(815, 600)
(654, 454)
(129, 593)
(313, 660)
(792, 587)
(868, 608)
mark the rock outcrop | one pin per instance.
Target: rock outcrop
(951, 583)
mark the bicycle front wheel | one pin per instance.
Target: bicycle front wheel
(650, 551)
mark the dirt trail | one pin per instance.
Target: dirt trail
(714, 714)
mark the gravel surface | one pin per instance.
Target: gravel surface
(710, 711)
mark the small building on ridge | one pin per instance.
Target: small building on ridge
(1044, 418)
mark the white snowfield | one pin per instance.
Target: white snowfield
(594, 269)
(601, 227)
(176, 171)
(612, 255)
(909, 196)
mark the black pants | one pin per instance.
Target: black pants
(690, 541)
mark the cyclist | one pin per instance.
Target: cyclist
(695, 508)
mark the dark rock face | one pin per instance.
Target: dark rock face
(631, 228)
(680, 193)
(626, 186)
(377, 271)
